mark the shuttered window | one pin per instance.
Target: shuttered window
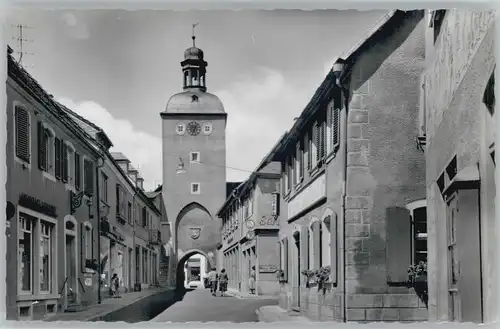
(320, 140)
(314, 145)
(77, 172)
(22, 130)
(335, 128)
(58, 157)
(398, 233)
(144, 217)
(290, 173)
(88, 180)
(307, 151)
(42, 147)
(64, 162)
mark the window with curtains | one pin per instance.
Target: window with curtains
(88, 177)
(299, 163)
(307, 151)
(313, 146)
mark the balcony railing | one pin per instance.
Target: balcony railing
(155, 236)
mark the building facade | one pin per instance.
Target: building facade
(70, 208)
(50, 170)
(250, 231)
(353, 184)
(194, 163)
(458, 107)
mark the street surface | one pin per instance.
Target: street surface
(200, 306)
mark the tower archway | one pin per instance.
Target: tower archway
(181, 265)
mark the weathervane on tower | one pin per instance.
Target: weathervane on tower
(193, 36)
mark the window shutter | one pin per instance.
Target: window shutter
(316, 227)
(290, 173)
(304, 251)
(22, 127)
(64, 162)
(398, 234)
(335, 128)
(285, 258)
(301, 158)
(307, 148)
(77, 172)
(323, 139)
(42, 147)
(333, 249)
(58, 157)
(88, 169)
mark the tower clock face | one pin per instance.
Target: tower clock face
(193, 128)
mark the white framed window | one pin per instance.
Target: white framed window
(46, 151)
(69, 170)
(22, 134)
(325, 236)
(207, 128)
(36, 259)
(180, 129)
(26, 253)
(104, 187)
(86, 242)
(195, 188)
(46, 256)
(418, 217)
(194, 157)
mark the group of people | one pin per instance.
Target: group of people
(218, 280)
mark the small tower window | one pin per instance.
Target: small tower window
(194, 98)
(195, 188)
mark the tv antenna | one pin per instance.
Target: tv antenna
(21, 40)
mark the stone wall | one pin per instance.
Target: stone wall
(459, 124)
(385, 171)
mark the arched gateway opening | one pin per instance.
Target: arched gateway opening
(192, 268)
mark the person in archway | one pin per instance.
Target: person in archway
(251, 281)
(223, 279)
(115, 284)
(212, 278)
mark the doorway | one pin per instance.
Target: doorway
(464, 257)
(71, 271)
(129, 269)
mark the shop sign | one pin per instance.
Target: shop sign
(37, 205)
(268, 268)
(307, 197)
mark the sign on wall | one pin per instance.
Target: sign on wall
(268, 268)
(307, 197)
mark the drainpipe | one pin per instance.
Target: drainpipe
(133, 238)
(340, 71)
(98, 214)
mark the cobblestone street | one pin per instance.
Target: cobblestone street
(200, 306)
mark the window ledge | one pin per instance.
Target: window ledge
(40, 296)
(330, 157)
(49, 176)
(25, 164)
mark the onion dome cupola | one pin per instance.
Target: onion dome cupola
(194, 98)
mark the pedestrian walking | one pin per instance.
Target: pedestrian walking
(223, 279)
(251, 281)
(115, 284)
(212, 278)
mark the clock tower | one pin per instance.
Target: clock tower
(194, 162)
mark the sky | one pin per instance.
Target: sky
(119, 68)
